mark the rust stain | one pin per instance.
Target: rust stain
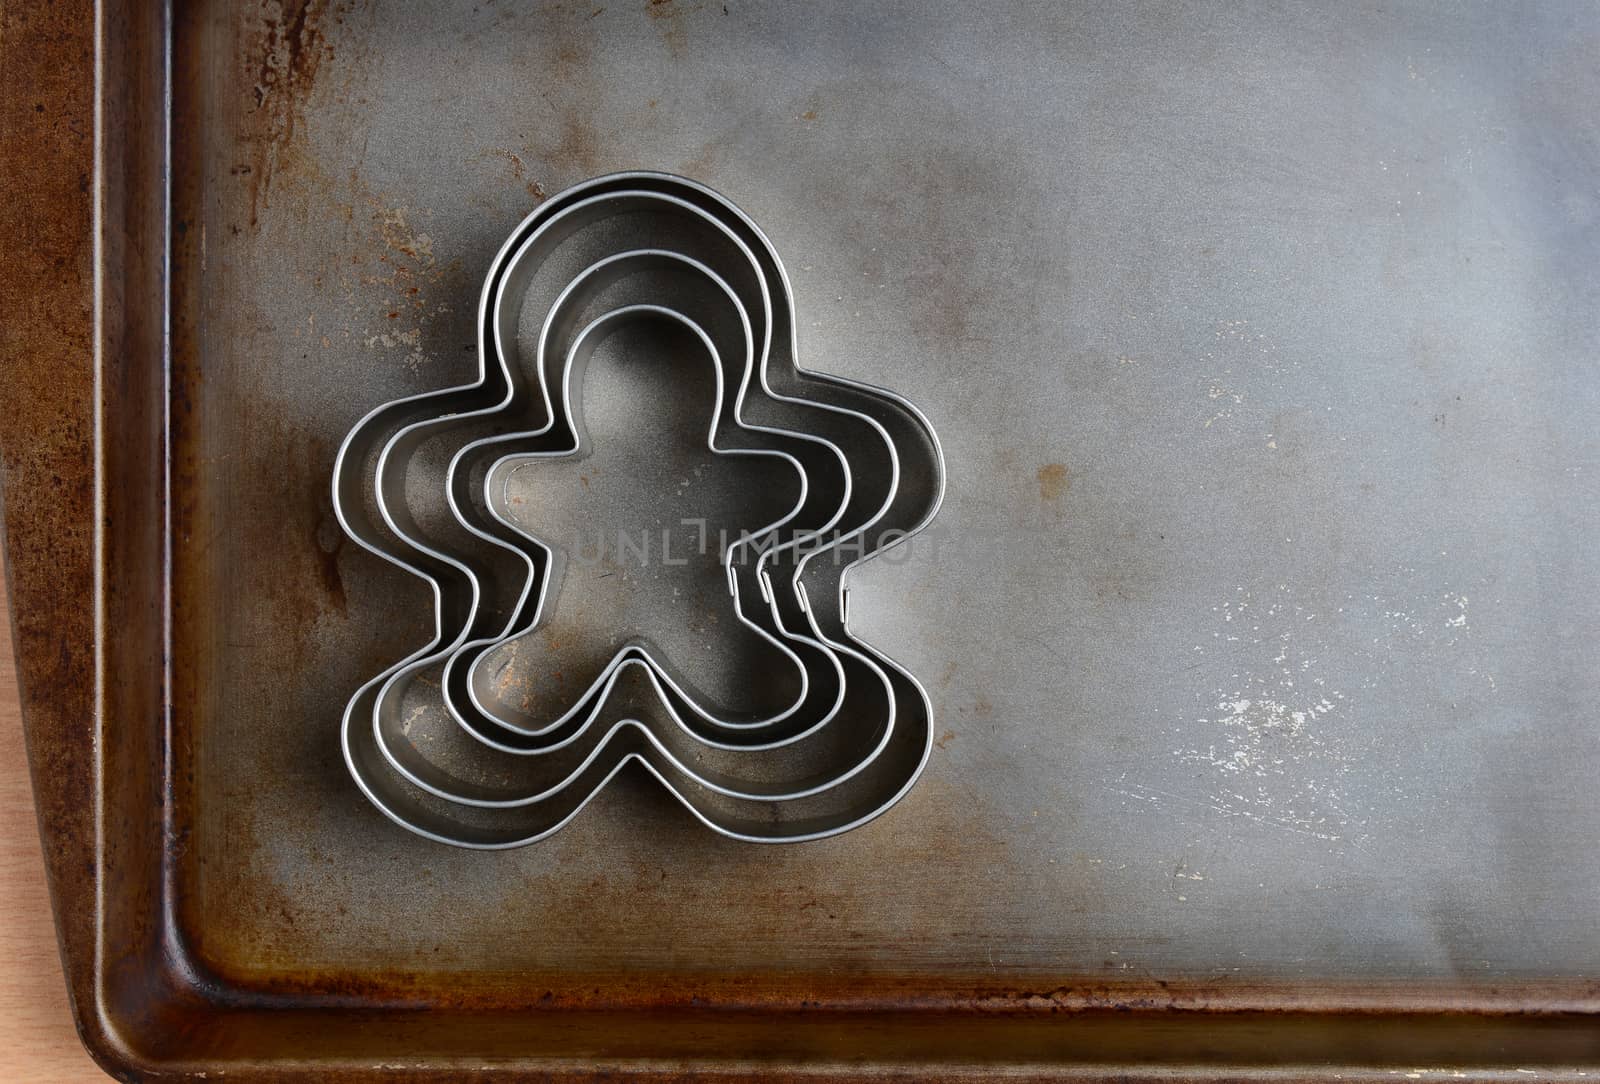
(519, 170)
(808, 115)
(700, 166)
(943, 739)
(47, 53)
(285, 458)
(564, 143)
(289, 52)
(388, 272)
(399, 236)
(981, 707)
(668, 16)
(330, 542)
(909, 224)
(1054, 481)
(578, 144)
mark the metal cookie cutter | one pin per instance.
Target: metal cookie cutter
(785, 796)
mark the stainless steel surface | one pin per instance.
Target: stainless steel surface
(1259, 619)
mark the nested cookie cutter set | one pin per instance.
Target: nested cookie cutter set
(627, 249)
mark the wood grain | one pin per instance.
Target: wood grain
(37, 1042)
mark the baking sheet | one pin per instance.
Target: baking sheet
(1261, 342)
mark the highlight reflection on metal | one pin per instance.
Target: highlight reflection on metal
(656, 249)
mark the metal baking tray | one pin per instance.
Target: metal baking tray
(1258, 622)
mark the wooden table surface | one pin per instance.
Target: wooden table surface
(37, 1041)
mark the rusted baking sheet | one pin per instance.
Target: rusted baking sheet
(1260, 632)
